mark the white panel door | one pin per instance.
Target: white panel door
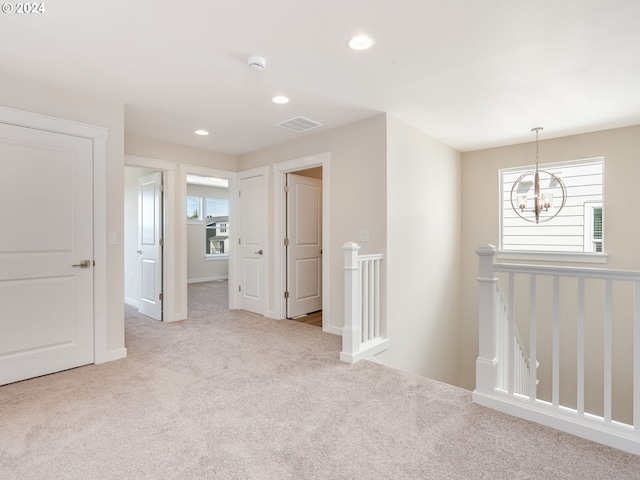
(150, 244)
(304, 253)
(252, 218)
(46, 234)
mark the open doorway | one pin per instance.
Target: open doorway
(143, 242)
(303, 245)
(208, 236)
(314, 166)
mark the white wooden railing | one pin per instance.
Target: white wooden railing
(565, 404)
(365, 331)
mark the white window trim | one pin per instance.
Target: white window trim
(565, 257)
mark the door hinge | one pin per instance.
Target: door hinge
(286, 189)
(161, 297)
(286, 294)
(239, 288)
(94, 263)
(286, 242)
(161, 242)
(239, 241)
(239, 193)
(161, 188)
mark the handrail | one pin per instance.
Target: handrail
(584, 415)
(600, 273)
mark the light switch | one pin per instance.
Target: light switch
(364, 235)
(113, 238)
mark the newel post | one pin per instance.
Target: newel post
(351, 334)
(486, 364)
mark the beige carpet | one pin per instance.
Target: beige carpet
(231, 395)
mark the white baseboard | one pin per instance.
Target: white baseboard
(131, 301)
(111, 355)
(330, 329)
(177, 317)
(207, 279)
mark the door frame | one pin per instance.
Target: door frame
(280, 231)
(98, 135)
(168, 171)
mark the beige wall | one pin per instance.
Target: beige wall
(33, 96)
(621, 149)
(357, 191)
(423, 253)
(172, 152)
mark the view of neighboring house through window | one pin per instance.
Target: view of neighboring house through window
(579, 225)
(217, 226)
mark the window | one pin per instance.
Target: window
(578, 228)
(217, 226)
(593, 227)
(194, 208)
(207, 210)
(217, 235)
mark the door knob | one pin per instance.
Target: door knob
(259, 252)
(83, 264)
(139, 252)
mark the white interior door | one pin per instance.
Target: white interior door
(304, 252)
(46, 252)
(252, 223)
(150, 244)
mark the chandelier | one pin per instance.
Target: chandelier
(540, 186)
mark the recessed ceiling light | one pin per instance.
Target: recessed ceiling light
(281, 99)
(201, 132)
(361, 42)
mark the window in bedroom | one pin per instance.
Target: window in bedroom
(194, 208)
(217, 226)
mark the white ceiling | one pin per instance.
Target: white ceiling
(473, 74)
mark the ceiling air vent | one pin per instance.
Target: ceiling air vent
(299, 124)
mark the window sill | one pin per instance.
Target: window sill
(216, 256)
(566, 257)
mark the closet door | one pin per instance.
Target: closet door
(46, 252)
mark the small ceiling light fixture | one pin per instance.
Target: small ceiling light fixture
(201, 132)
(542, 209)
(280, 99)
(361, 42)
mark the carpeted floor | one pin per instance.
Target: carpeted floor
(231, 395)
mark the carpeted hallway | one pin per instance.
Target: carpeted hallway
(231, 395)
